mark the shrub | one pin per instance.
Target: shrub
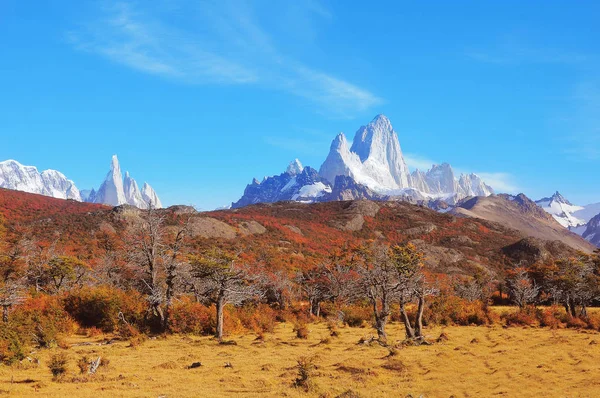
(58, 365)
(259, 318)
(527, 316)
(100, 306)
(306, 367)
(356, 315)
(453, 310)
(551, 317)
(44, 319)
(83, 364)
(301, 331)
(12, 347)
(192, 317)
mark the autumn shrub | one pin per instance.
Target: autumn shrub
(100, 306)
(453, 310)
(258, 318)
(357, 315)
(44, 319)
(12, 346)
(527, 316)
(192, 317)
(576, 322)
(551, 317)
(58, 365)
(593, 322)
(301, 330)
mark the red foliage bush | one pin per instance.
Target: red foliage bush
(453, 310)
(100, 306)
(189, 316)
(527, 316)
(258, 318)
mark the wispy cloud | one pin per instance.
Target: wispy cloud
(218, 43)
(414, 161)
(501, 182)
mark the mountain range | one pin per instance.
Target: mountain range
(373, 167)
(114, 190)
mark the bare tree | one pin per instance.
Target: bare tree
(220, 280)
(153, 247)
(377, 281)
(172, 265)
(522, 289)
(325, 282)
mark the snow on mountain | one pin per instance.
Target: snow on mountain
(295, 167)
(473, 185)
(373, 167)
(375, 160)
(111, 191)
(563, 211)
(150, 197)
(116, 190)
(302, 184)
(133, 195)
(14, 175)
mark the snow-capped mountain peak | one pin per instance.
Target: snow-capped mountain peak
(14, 175)
(562, 210)
(150, 197)
(111, 192)
(116, 190)
(295, 167)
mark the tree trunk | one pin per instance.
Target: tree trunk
(380, 322)
(5, 313)
(419, 321)
(410, 333)
(381, 319)
(169, 294)
(220, 304)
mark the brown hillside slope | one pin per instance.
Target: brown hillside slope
(289, 235)
(524, 215)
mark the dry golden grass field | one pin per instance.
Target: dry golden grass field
(474, 362)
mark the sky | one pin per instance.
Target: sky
(199, 97)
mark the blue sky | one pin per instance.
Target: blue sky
(199, 97)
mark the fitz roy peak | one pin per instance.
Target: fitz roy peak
(373, 167)
(114, 190)
(117, 191)
(374, 160)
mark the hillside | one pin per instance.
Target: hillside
(289, 235)
(522, 214)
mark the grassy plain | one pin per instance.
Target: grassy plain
(474, 362)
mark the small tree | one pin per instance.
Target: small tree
(65, 270)
(522, 289)
(377, 281)
(220, 280)
(407, 262)
(325, 282)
